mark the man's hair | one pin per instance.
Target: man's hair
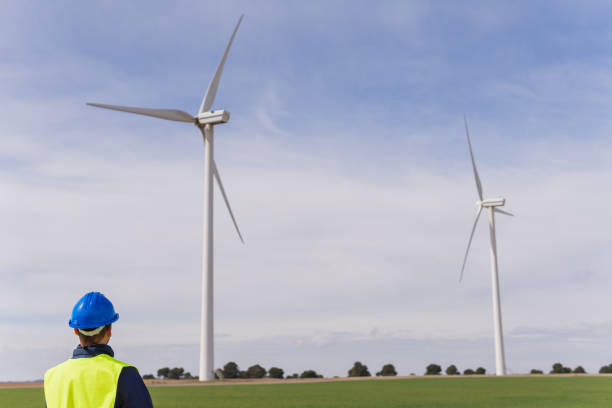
(95, 339)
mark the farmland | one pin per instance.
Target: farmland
(527, 391)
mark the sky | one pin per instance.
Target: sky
(346, 164)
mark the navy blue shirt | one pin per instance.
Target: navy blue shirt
(131, 390)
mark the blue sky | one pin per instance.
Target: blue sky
(346, 163)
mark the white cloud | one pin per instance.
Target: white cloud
(326, 251)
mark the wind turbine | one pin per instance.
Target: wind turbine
(205, 120)
(491, 205)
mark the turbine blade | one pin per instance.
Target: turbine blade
(476, 177)
(503, 212)
(211, 92)
(169, 114)
(469, 243)
(216, 172)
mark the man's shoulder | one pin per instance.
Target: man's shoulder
(51, 370)
(114, 360)
(129, 371)
(130, 377)
(131, 389)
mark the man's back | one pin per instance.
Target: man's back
(84, 382)
(93, 378)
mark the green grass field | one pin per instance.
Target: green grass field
(516, 392)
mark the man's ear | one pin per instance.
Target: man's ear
(76, 331)
(110, 330)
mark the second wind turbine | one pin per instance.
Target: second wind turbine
(491, 205)
(205, 121)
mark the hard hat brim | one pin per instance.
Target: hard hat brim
(90, 325)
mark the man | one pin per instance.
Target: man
(92, 378)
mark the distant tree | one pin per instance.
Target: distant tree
(579, 370)
(176, 373)
(163, 372)
(536, 371)
(481, 371)
(433, 369)
(606, 369)
(231, 370)
(359, 370)
(256, 371)
(187, 376)
(468, 371)
(148, 377)
(219, 374)
(388, 370)
(292, 376)
(451, 370)
(558, 368)
(276, 372)
(310, 374)
(243, 374)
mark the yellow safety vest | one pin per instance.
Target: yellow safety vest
(83, 382)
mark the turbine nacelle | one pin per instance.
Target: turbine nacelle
(213, 117)
(491, 202)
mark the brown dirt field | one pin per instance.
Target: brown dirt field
(243, 381)
(29, 384)
(246, 381)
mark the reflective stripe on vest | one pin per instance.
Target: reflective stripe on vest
(83, 382)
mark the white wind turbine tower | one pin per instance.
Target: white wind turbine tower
(491, 205)
(205, 120)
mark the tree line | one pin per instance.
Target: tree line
(435, 369)
(167, 373)
(557, 368)
(231, 370)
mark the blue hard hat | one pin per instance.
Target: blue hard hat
(91, 311)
